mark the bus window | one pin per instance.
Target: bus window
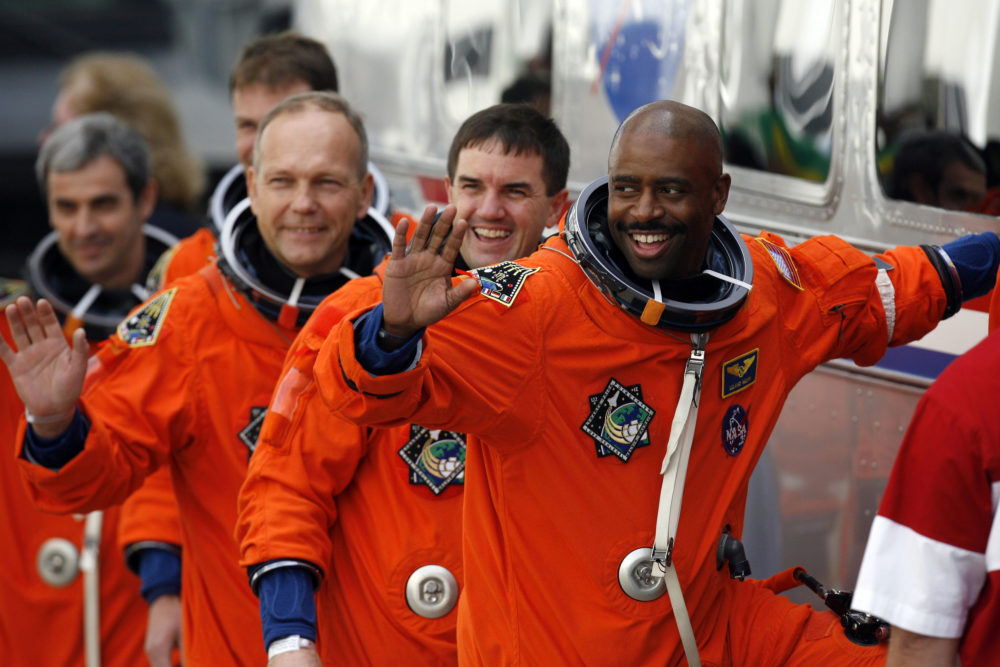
(496, 52)
(778, 61)
(937, 95)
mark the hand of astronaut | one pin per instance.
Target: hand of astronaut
(418, 290)
(304, 657)
(47, 373)
(163, 630)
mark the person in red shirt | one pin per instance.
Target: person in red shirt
(637, 361)
(375, 514)
(186, 380)
(932, 563)
(95, 175)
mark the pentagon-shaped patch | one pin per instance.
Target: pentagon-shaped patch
(739, 373)
(154, 279)
(143, 327)
(783, 262)
(502, 282)
(251, 432)
(436, 458)
(618, 420)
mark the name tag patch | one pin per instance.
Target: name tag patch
(739, 373)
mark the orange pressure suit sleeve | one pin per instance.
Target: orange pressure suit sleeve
(150, 517)
(189, 256)
(140, 398)
(288, 500)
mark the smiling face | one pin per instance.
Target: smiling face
(665, 191)
(306, 191)
(98, 221)
(502, 196)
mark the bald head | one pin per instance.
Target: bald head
(674, 120)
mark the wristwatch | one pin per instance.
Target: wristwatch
(286, 644)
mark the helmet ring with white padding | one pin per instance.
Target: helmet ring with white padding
(723, 284)
(295, 306)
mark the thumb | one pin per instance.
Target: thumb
(465, 288)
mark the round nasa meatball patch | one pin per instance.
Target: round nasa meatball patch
(734, 429)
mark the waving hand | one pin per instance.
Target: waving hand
(47, 373)
(418, 291)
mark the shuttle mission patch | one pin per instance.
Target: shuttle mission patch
(251, 432)
(739, 373)
(11, 289)
(735, 425)
(502, 282)
(618, 420)
(143, 327)
(436, 458)
(783, 261)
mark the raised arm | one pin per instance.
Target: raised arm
(47, 373)
(418, 290)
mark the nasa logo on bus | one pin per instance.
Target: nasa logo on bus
(735, 425)
(618, 420)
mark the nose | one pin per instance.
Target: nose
(84, 223)
(647, 208)
(303, 202)
(490, 206)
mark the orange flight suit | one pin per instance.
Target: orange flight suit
(567, 402)
(185, 382)
(343, 498)
(41, 624)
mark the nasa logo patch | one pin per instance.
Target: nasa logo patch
(249, 434)
(618, 420)
(739, 373)
(143, 328)
(502, 282)
(436, 458)
(735, 425)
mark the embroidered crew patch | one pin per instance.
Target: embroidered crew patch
(502, 282)
(618, 420)
(783, 261)
(735, 425)
(436, 457)
(251, 432)
(739, 373)
(143, 328)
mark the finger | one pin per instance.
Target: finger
(6, 352)
(399, 240)
(81, 348)
(48, 319)
(453, 244)
(424, 227)
(30, 316)
(441, 230)
(17, 331)
(462, 291)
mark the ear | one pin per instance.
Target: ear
(721, 193)
(251, 175)
(147, 200)
(556, 207)
(447, 189)
(367, 190)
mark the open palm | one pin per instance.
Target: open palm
(418, 289)
(47, 373)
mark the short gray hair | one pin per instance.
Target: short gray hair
(84, 139)
(324, 101)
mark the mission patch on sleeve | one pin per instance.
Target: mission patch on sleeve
(502, 282)
(143, 327)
